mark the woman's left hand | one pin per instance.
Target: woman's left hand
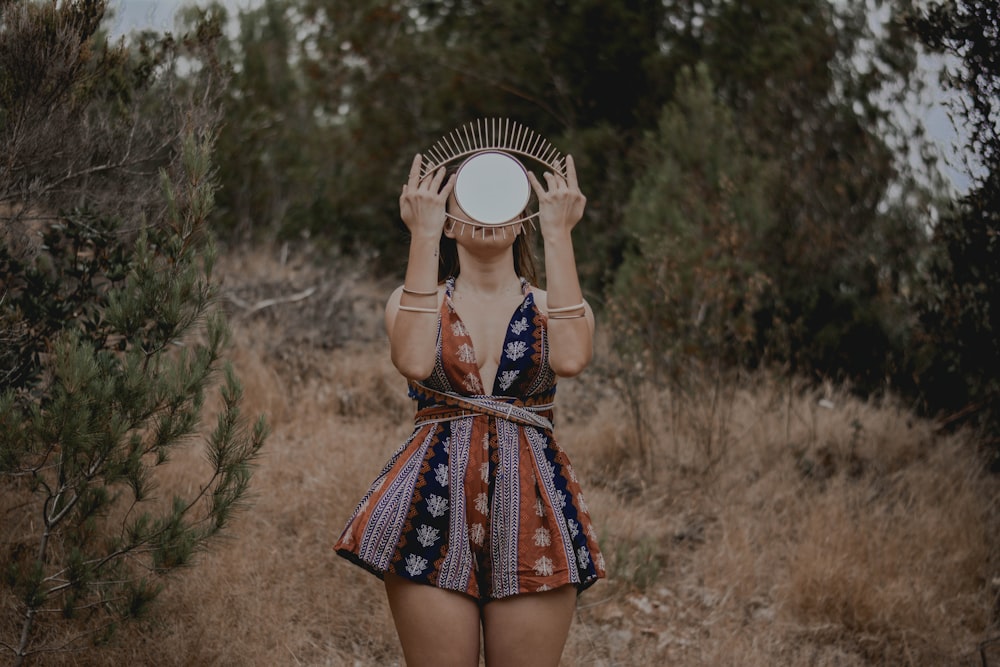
(561, 205)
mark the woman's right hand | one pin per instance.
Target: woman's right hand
(422, 203)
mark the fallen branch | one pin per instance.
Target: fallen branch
(250, 309)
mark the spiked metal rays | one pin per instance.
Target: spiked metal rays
(497, 134)
(470, 142)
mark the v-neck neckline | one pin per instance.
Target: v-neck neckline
(526, 294)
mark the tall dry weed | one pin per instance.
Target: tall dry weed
(821, 530)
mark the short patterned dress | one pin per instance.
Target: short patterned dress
(480, 499)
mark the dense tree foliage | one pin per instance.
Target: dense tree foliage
(960, 307)
(330, 100)
(694, 271)
(791, 194)
(110, 338)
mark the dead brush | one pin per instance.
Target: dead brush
(850, 523)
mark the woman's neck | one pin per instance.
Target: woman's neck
(487, 276)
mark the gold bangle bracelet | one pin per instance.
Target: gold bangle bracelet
(566, 309)
(567, 317)
(407, 290)
(413, 309)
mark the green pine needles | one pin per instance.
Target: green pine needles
(80, 447)
(111, 336)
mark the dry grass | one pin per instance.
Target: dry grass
(770, 530)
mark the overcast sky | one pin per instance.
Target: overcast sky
(157, 14)
(133, 15)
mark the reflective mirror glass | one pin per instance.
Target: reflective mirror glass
(492, 188)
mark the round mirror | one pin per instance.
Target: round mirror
(492, 188)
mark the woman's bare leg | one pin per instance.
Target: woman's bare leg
(437, 628)
(528, 630)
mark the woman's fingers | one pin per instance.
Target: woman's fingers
(433, 181)
(433, 187)
(422, 205)
(448, 186)
(571, 173)
(535, 185)
(414, 178)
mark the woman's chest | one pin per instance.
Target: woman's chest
(491, 347)
(487, 326)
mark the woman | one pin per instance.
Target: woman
(477, 522)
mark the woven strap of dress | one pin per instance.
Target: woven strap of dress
(448, 406)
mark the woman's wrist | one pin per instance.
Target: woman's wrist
(422, 265)
(557, 235)
(424, 248)
(425, 236)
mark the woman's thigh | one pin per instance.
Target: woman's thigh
(437, 628)
(528, 630)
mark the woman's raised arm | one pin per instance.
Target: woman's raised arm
(571, 321)
(411, 312)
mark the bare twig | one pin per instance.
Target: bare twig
(250, 309)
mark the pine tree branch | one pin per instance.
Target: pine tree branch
(65, 646)
(122, 163)
(70, 504)
(29, 619)
(140, 545)
(92, 605)
(41, 467)
(62, 587)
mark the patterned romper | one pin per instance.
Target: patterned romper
(480, 499)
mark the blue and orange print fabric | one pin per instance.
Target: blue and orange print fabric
(480, 499)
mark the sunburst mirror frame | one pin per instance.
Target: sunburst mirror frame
(492, 135)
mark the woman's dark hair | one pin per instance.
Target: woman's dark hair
(524, 256)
